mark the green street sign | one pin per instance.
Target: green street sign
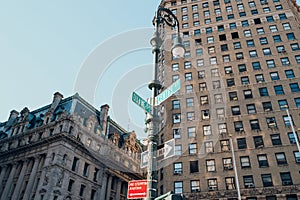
(168, 92)
(141, 102)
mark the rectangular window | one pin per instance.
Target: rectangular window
(227, 164)
(195, 186)
(278, 89)
(230, 183)
(258, 141)
(175, 104)
(280, 158)
(262, 160)
(242, 144)
(210, 165)
(191, 132)
(212, 184)
(267, 106)
(192, 148)
(75, 164)
(176, 133)
(294, 87)
(82, 190)
(194, 167)
(286, 178)
(177, 168)
(267, 180)
(245, 162)
(263, 92)
(209, 147)
(256, 65)
(297, 102)
(86, 170)
(254, 124)
(251, 108)
(178, 150)
(178, 187)
(190, 102)
(176, 118)
(248, 181)
(70, 186)
(233, 96)
(225, 146)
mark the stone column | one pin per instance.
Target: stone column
(108, 192)
(9, 182)
(119, 187)
(3, 172)
(31, 179)
(20, 181)
(103, 186)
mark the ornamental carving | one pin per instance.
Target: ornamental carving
(130, 143)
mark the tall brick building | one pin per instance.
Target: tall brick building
(239, 76)
(66, 150)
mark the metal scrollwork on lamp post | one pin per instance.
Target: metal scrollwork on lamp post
(163, 16)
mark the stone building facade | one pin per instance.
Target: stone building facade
(239, 76)
(66, 150)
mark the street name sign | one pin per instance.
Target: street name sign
(168, 92)
(137, 189)
(144, 159)
(141, 102)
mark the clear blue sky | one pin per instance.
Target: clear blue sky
(45, 43)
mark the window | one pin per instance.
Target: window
(257, 20)
(184, 18)
(267, 180)
(175, 104)
(247, 33)
(292, 137)
(297, 156)
(205, 5)
(193, 148)
(238, 126)
(230, 183)
(232, 25)
(86, 170)
(194, 167)
(237, 45)
(207, 21)
(271, 122)
(203, 100)
(253, 54)
(287, 120)
(259, 78)
(184, 9)
(289, 73)
(270, 19)
(227, 164)
(224, 47)
(195, 186)
(248, 181)
(277, 38)
(242, 68)
(278, 7)
(248, 94)
(202, 86)
(175, 67)
(297, 58)
(197, 32)
(189, 88)
(230, 16)
(286, 26)
(273, 28)
(297, 102)
(212, 184)
(195, 15)
(211, 50)
(175, 78)
(256, 65)
(266, 9)
(201, 74)
(222, 37)
(71, 184)
(205, 114)
(217, 11)
(286, 178)
(263, 41)
(254, 125)
(176, 118)
(206, 13)
(75, 164)
(280, 158)
(230, 82)
(242, 14)
(200, 62)
(213, 60)
(245, 23)
(274, 76)
(177, 168)
(267, 51)
(245, 80)
(295, 47)
(176, 133)
(209, 147)
(178, 187)
(225, 146)
(263, 92)
(270, 63)
(210, 165)
(226, 58)
(280, 49)
(218, 98)
(208, 30)
(228, 8)
(239, 56)
(260, 31)
(242, 143)
(233, 96)
(251, 108)
(283, 104)
(267, 106)
(245, 162)
(258, 141)
(282, 16)
(235, 35)
(195, 7)
(190, 102)
(250, 43)
(278, 89)
(178, 150)
(294, 87)
(190, 116)
(262, 160)
(187, 64)
(82, 190)
(216, 3)
(191, 132)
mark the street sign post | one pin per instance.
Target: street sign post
(168, 92)
(137, 189)
(141, 102)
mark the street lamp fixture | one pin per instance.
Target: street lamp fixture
(163, 16)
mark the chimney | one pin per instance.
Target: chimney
(56, 100)
(103, 117)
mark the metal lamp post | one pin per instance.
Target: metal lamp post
(163, 15)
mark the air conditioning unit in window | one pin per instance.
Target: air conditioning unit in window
(298, 160)
(228, 167)
(211, 188)
(177, 172)
(228, 71)
(249, 185)
(234, 98)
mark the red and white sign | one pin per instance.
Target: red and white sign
(137, 189)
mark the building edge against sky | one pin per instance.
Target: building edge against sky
(239, 76)
(66, 150)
